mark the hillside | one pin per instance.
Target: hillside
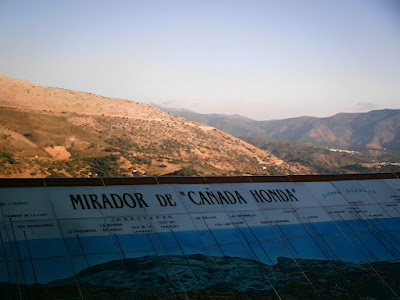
(376, 129)
(57, 132)
(326, 160)
(312, 143)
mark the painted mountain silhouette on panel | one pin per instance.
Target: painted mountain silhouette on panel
(198, 276)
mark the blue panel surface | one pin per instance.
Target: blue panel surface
(322, 240)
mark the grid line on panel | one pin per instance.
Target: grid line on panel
(370, 265)
(229, 287)
(14, 263)
(9, 239)
(163, 267)
(285, 238)
(361, 219)
(294, 260)
(364, 221)
(324, 252)
(232, 243)
(213, 236)
(252, 252)
(265, 252)
(388, 232)
(380, 237)
(83, 250)
(326, 244)
(394, 219)
(220, 249)
(101, 219)
(388, 191)
(184, 256)
(358, 238)
(321, 204)
(333, 262)
(311, 236)
(126, 267)
(169, 262)
(30, 257)
(63, 239)
(118, 248)
(5, 258)
(18, 253)
(289, 252)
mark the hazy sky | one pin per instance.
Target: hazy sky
(263, 59)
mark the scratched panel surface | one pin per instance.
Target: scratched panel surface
(247, 240)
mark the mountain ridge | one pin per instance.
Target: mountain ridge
(377, 129)
(58, 132)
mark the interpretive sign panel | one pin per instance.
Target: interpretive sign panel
(195, 240)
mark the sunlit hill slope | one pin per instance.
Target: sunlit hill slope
(57, 132)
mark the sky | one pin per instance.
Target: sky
(267, 59)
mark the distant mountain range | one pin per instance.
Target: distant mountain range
(378, 129)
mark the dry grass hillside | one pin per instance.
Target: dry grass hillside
(57, 132)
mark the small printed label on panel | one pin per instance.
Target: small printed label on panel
(312, 214)
(355, 193)
(83, 227)
(248, 218)
(281, 216)
(326, 193)
(354, 212)
(383, 192)
(166, 223)
(39, 229)
(211, 221)
(25, 204)
(392, 209)
(128, 225)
